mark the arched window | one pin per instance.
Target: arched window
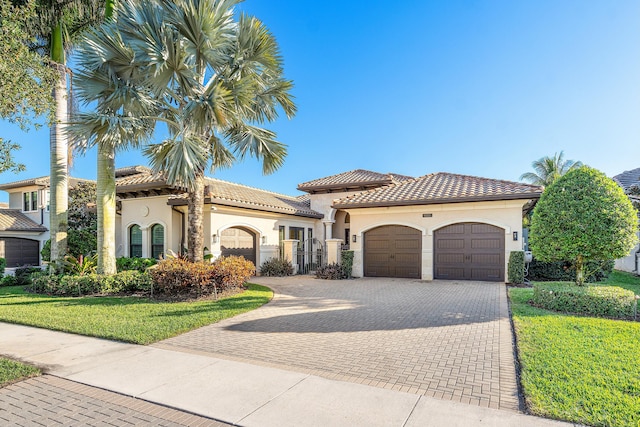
(157, 241)
(135, 241)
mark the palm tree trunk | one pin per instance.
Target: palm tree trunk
(196, 214)
(59, 185)
(106, 204)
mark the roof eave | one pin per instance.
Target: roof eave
(441, 201)
(345, 186)
(230, 203)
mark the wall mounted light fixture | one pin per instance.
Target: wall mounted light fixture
(515, 235)
(353, 238)
(214, 238)
(264, 240)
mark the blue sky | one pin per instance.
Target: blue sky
(413, 87)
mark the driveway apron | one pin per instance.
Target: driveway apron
(445, 339)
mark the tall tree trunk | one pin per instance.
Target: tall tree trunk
(106, 204)
(196, 217)
(579, 270)
(59, 185)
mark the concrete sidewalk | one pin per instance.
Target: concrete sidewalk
(234, 392)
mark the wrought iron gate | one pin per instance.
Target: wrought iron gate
(311, 255)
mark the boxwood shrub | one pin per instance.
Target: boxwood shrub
(563, 271)
(593, 300)
(515, 273)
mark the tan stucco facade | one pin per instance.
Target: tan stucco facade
(504, 214)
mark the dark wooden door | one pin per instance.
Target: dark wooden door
(393, 251)
(240, 242)
(469, 251)
(18, 252)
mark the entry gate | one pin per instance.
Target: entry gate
(310, 255)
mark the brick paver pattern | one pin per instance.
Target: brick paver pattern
(53, 401)
(450, 340)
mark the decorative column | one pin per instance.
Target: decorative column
(291, 252)
(334, 248)
(328, 228)
(145, 242)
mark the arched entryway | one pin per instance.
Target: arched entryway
(238, 241)
(469, 251)
(393, 251)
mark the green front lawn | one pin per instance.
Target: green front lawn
(12, 371)
(130, 319)
(577, 368)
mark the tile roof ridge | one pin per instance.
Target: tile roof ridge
(481, 178)
(249, 187)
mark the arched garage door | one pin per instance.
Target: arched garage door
(238, 241)
(19, 252)
(393, 251)
(469, 251)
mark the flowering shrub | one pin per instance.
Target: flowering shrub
(276, 267)
(232, 271)
(331, 271)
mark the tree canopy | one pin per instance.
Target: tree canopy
(548, 169)
(583, 216)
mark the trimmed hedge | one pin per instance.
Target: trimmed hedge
(593, 300)
(564, 272)
(91, 284)
(3, 265)
(346, 260)
(276, 267)
(515, 270)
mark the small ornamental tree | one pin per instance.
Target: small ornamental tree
(583, 216)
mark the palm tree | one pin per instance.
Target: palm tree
(55, 26)
(548, 169)
(210, 79)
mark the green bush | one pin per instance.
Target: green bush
(3, 265)
(80, 242)
(346, 260)
(594, 300)
(90, 284)
(331, 272)
(596, 271)
(177, 276)
(515, 270)
(23, 275)
(9, 280)
(276, 267)
(140, 264)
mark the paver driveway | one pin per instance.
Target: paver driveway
(445, 339)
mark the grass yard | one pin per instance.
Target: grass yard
(129, 319)
(12, 371)
(580, 369)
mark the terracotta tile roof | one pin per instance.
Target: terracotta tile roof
(131, 170)
(628, 179)
(221, 193)
(231, 194)
(42, 181)
(352, 179)
(14, 220)
(440, 188)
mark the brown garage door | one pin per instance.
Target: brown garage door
(238, 241)
(469, 251)
(20, 252)
(393, 251)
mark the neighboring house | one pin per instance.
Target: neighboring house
(442, 226)
(630, 183)
(24, 224)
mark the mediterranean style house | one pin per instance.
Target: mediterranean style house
(438, 226)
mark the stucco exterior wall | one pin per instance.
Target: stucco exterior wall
(628, 263)
(321, 203)
(265, 225)
(503, 214)
(146, 212)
